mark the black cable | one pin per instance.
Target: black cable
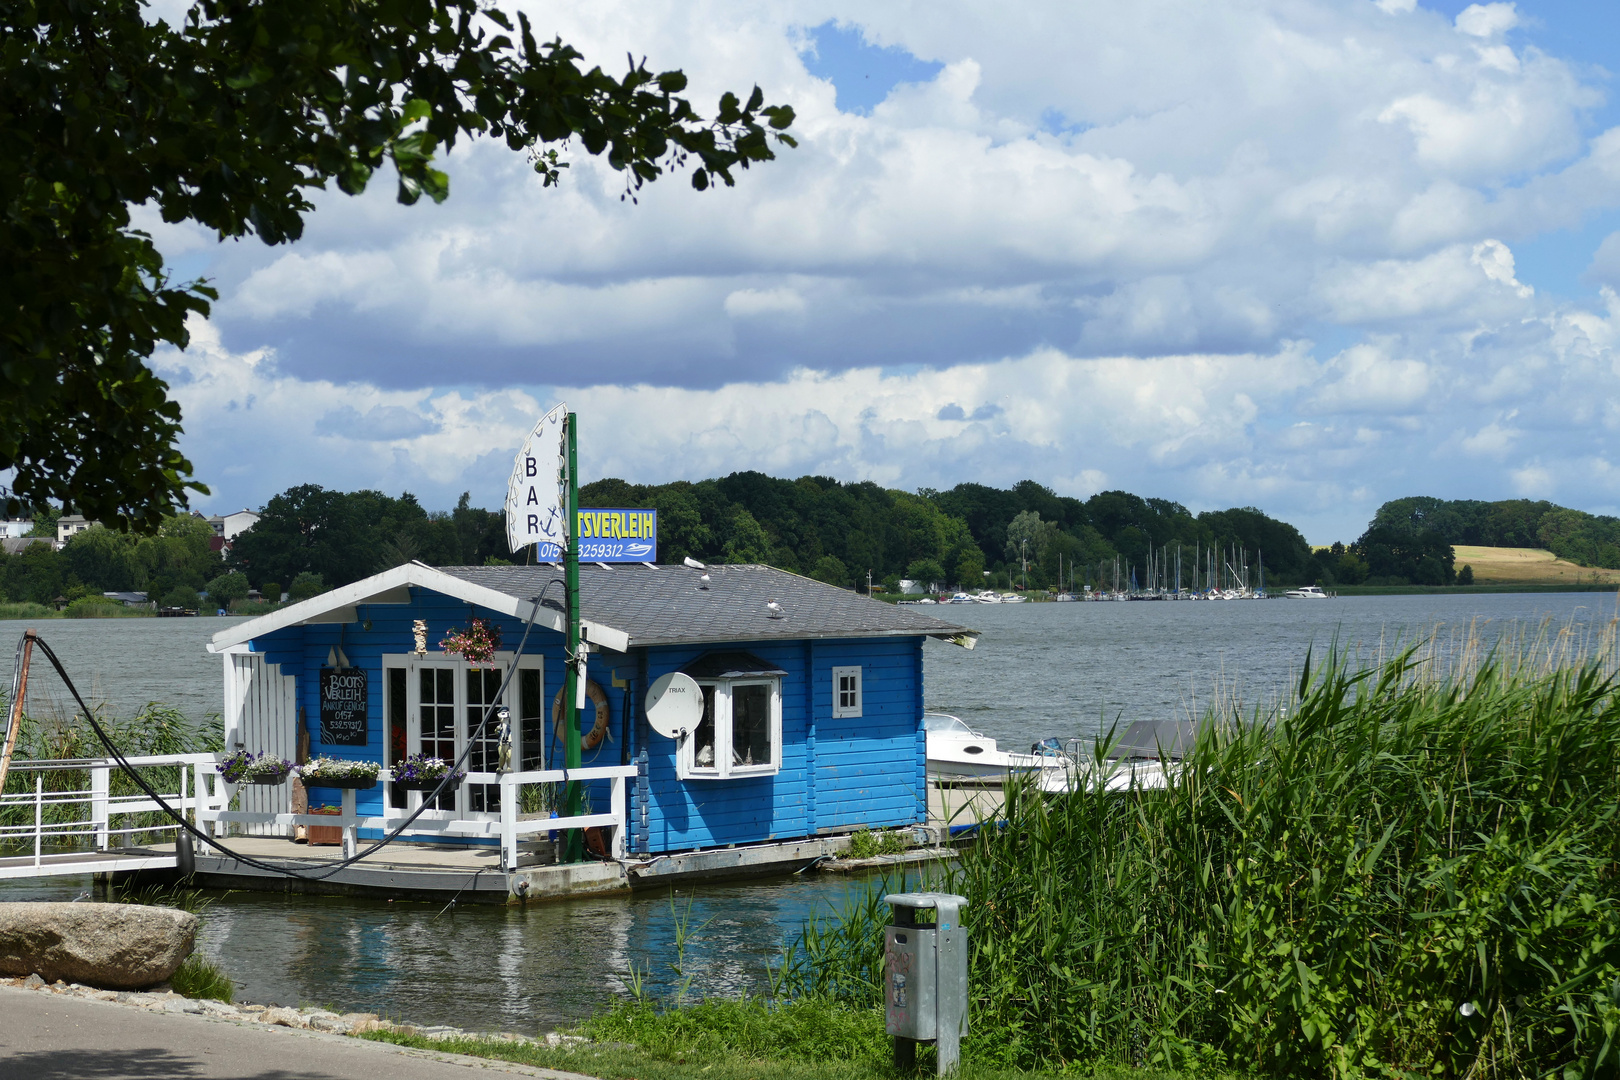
(117, 755)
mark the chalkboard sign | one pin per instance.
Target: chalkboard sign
(343, 706)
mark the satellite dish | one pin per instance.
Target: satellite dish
(674, 704)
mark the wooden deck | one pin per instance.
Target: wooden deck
(400, 870)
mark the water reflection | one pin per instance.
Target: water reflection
(497, 968)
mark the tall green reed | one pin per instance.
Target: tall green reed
(1409, 867)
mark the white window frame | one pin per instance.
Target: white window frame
(840, 710)
(723, 769)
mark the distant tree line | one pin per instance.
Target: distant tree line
(837, 532)
(309, 538)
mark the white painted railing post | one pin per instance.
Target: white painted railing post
(616, 808)
(350, 832)
(509, 812)
(100, 776)
(39, 813)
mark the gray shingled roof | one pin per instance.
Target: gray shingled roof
(667, 605)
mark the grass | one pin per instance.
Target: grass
(200, 977)
(83, 608)
(22, 611)
(1409, 867)
(734, 1040)
(1529, 566)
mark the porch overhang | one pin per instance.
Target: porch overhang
(394, 587)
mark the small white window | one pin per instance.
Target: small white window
(740, 733)
(846, 691)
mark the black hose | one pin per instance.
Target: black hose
(247, 860)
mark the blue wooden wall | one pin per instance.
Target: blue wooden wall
(835, 775)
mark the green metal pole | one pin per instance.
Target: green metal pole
(573, 846)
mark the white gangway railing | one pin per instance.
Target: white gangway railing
(510, 825)
(204, 797)
(93, 829)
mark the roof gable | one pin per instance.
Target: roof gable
(628, 604)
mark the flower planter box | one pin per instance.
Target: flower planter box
(264, 781)
(324, 835)
(358, 783)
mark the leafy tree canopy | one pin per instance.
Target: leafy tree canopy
(231, 121)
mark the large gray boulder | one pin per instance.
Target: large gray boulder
(115, 946)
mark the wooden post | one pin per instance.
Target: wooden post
(21, 690)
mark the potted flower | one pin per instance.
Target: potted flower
(422, 773)
(246, 767)
(339, 773)
(478, 643)
(325, 834)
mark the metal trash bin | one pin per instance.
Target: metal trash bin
(925, 978)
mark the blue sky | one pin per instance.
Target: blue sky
(1306, 255)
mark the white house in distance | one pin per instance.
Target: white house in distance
(228, 526)
(70, 525)
(11, 530)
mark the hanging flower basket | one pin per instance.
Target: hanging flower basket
(338, 773)
(421, 773)
(245, 767)
(478, 643)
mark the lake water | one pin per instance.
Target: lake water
(1039, 670)
(1070, 670)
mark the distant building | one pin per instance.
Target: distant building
(227, 527)
(12, 530)
(70, 525)
(16, 545)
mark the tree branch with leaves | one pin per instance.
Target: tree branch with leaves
(231, 121)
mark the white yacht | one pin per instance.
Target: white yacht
(1306, 592)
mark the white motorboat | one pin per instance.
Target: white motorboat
(959, 598)
(1143, 757)
(957, 754)
(1306, 592)
(1013, 598)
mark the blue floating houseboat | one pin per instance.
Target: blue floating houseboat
(811, 723)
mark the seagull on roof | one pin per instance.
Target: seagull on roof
(774, 608)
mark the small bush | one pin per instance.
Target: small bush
(182, 596)
(200, 977)
(304, 586)
(866, 844)
(93, 607)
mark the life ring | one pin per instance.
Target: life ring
(592, 738)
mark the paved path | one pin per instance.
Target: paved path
(46, 1036)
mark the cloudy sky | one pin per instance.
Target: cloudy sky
(1306, 255)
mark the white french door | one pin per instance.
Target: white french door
(435, 707)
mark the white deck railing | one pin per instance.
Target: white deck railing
(97, 822)
(205, 797)
(510, 825)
